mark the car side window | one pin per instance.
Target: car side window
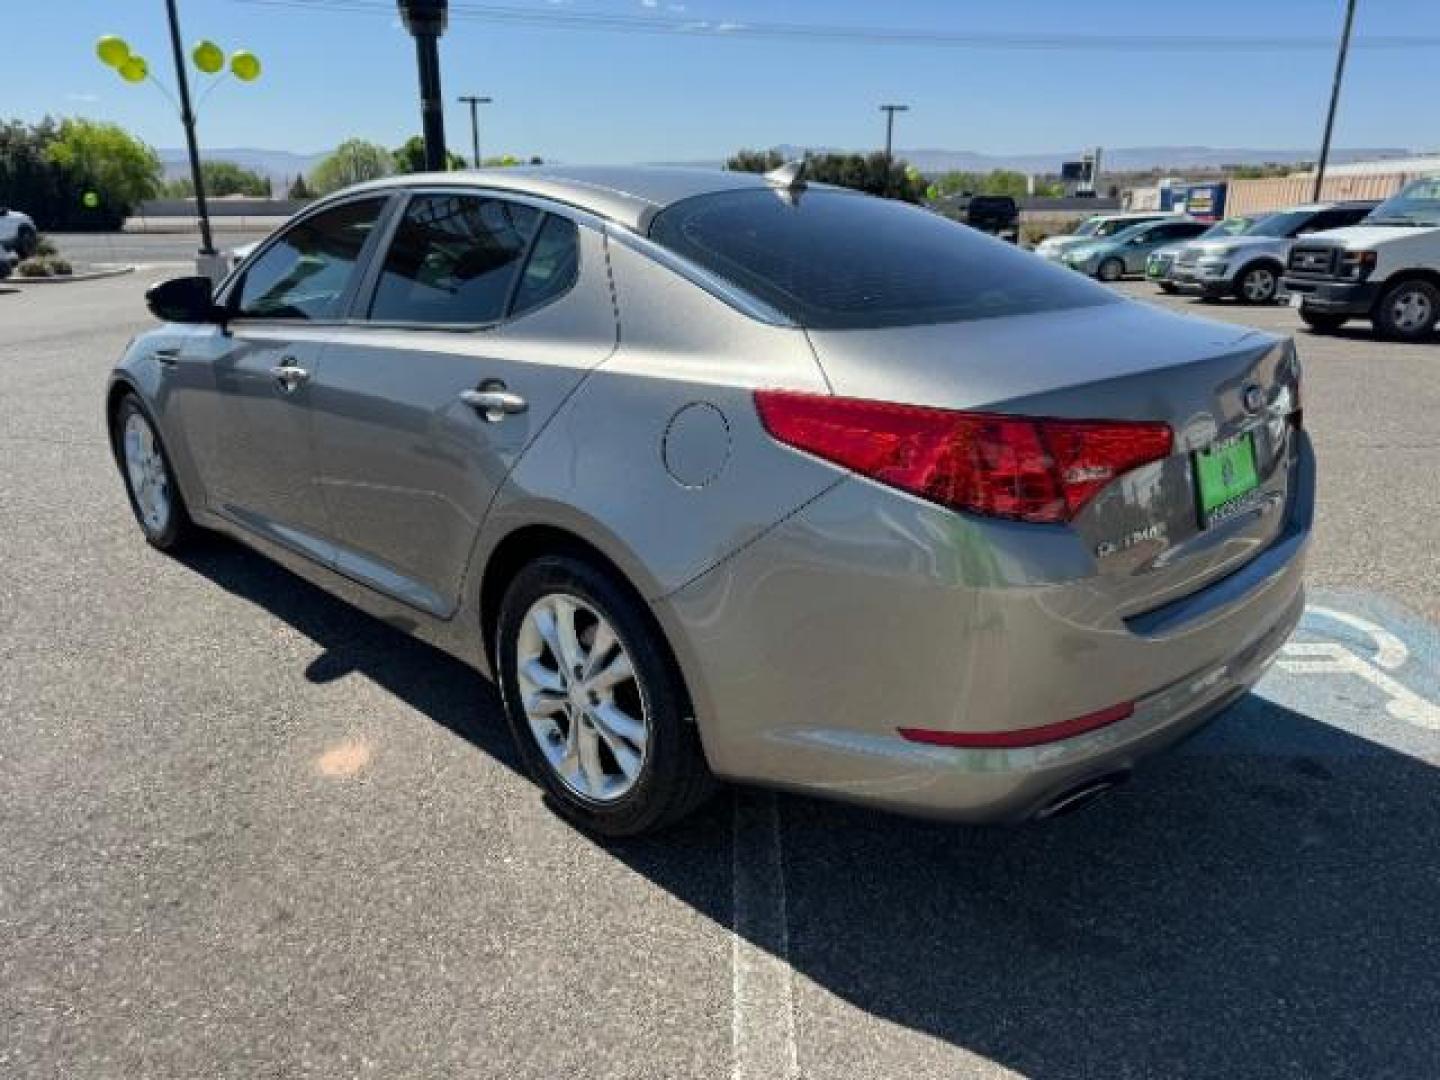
(552, 267)
(305, 273)
(1339, 219)
(454, 260)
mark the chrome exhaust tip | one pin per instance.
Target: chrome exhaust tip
(1081, 795)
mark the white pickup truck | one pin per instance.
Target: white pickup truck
(17, 232)
(1385, 269)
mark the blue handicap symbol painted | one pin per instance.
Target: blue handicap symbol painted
(1358, 665)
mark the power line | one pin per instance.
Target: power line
(806, 33)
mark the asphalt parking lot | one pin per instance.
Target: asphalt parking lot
(248, 832)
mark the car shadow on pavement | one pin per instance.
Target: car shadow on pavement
(449, 692)
(1260, 903)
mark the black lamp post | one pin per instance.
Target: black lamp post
(426, 20)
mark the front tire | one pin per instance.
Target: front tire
(1257, 284)
(1408, 311)
(26, 242)
(155, 497)
(595, 702)
(1110, 270)
(1169, 289)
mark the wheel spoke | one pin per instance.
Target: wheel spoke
(588, 745)
(617, 721)
(628, 760)
(571, 654)
(613, 673)
(542, 677)
(602, 644)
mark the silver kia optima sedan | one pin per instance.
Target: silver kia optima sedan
(730, 476)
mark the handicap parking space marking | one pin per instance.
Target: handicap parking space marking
(1356, 663)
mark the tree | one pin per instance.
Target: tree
(863, 172)
(82, 156)
(352, 162)
(299, 190)
(996, 182)
(222, 178)
(410, 158)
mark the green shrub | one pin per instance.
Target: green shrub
(45, 246)
(38, 266)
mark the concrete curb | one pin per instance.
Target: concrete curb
(68, 279)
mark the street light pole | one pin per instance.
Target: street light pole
(475, 103)
(890, 111)
(1334, 99)
(187, 117)
(426, 21)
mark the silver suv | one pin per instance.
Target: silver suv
(1249, 267)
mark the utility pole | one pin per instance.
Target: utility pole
(426, 21)
(187, 117)
(475, 103)
(1334, 99)
(890, 111)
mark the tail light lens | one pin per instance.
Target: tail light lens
(1020, 467)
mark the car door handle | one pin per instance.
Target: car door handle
(167, 357)
(290, 377)
(494, 403)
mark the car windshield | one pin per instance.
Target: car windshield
(1231, 226)
(1130, 232)
(1088, 226)
(835, 260)
(1285, 223)
(1116, 226)
(1418, 204)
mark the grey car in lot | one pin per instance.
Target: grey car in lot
(1250, 266)
(729, 477)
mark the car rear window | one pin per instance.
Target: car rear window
(835, 260)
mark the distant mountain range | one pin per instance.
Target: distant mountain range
(283, 165)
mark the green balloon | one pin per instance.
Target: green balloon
(112, 50)
(134, 69)
(245, 65)
(91, 200)
(208, 57)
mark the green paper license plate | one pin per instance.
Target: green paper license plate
(1225, 474)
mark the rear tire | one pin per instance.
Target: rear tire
(1322, 322)
(154, 495)
(26, 242)
(1408, 311)
(1110, 270)
(1257, 284)
(620, 757)
(1168, 288)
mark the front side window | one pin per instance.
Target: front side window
(835, 260)
(305, 273)
(1417, 204)
(454, 260)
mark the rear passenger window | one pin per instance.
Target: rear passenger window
(454, 259)
(552, 266)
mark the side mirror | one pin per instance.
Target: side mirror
(184, 300)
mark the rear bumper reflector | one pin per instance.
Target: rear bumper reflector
(1035, 736)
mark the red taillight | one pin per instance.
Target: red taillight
(1035, 736)
(1021, 467)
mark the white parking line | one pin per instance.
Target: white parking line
(763, 1018)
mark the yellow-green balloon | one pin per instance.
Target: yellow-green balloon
(245, 65)
(112, 50)
(208, 57)
(91, 200)
(134, 69)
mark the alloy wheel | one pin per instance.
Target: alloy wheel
(145, 468)
(1411, 310)
(582, 698)
(1259, 285)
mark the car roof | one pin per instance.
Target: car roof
(628, 194)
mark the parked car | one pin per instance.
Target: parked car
(1249, 267)
(1125, 253)
(1159, 262)
(806, 522)
(998, 215)
(17, 232)
(1385, 269)
(1095, 227)
(8, 261)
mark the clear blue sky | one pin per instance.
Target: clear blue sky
(587, 96)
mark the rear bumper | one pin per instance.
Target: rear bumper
(1333, 297)
(860, 615)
